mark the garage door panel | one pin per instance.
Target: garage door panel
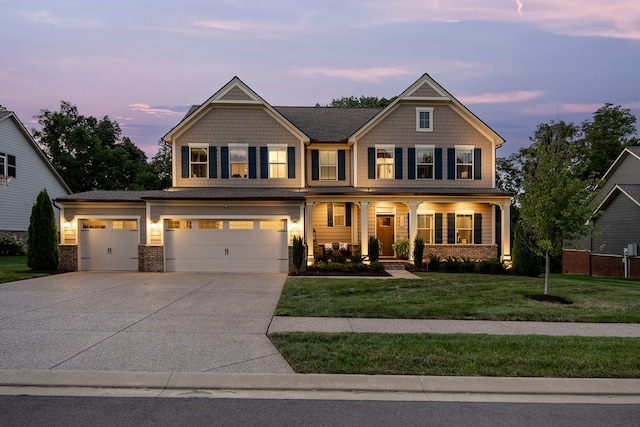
(108, 249)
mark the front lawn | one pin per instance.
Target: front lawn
(461, 355)
(15, 268)
(463, 296)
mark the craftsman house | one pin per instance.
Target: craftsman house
(248, 177)
(24, 173)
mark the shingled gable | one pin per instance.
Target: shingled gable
(234, 93)
(427, 89)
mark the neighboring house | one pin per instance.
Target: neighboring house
(248, 177)
(616, 226)
(30, 172)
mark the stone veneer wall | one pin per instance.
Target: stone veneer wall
(151, 259)
(475, 252)
(68, 257)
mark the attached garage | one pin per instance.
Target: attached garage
(235, 245)
(109, 244)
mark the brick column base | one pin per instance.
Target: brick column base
(151, 259)
(68, 257)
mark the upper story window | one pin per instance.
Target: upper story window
(328, 165)
(198, 160)
(238, 159)
(424, 119)
(464, 227)
(424, 162)
(425, 227)
(3, 164)
(384, 162)
(464, 162)
(278, 161)
(7, 165)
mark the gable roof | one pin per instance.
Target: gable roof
(328, 124)
(632, 191)
(10, 115)
(427, 89)
(628, 151)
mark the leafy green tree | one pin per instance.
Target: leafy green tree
(161, 165)
(555, 202)
(611, 130)
(361, 102)
(90, 153)
(42, 242)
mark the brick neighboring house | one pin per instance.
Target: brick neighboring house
(617, 227)
(22, 160)
(248, 177)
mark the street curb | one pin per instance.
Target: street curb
(320, 382)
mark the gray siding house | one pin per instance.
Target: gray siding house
(30, 172)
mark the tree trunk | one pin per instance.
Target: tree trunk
(547, 272)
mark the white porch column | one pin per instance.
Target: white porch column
(505, 208)
(413, 226)
(364, 227)
(308, 230)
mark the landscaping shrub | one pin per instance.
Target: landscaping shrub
(401, 246)
(468, 265)
(453, 265)
(374, 249)
(376, 267)
(418, 252)
(42, 252)
(435, 262)
(491, 266)
(357, 257)
(298, 252)
(11, 246)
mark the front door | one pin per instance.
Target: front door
(384, 230)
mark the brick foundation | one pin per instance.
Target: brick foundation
(577, 262)
(68, 257)
(475, 252)
(151, 259)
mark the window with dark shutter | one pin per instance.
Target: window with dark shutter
(184, 161)
(291, 162)
(371, 151)
(224, 162)
(213, 162)
(438, 228)
(451, 228)
(398, 160)
(411, 160)
(342, 158)
(329, 214)
(477, 229)
(253, 160)
(264, 163)
(315, 165)
(451, 163)
(438, 164)
(477, 163)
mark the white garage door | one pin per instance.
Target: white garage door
(109, 244)
(226, 245)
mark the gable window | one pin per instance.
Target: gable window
(278, 161)
(3, 164)
(384, 162)
(464, 162)
(328, 165)
(424, 119)
(464, 228)
(238, 159)
(7, 165)
(424, 162)
(198, 161)
(425, 227)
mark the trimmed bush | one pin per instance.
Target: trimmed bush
(435, 262)
(42, 252)
(453, 265)
(418, 251)
(491, 266)
(298, 252)
(11, 246)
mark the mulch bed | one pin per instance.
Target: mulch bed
(549, 298)
(313, 273)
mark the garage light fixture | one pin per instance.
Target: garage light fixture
(66, 224)
(154, 226)
(294, 225)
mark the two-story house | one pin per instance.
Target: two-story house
(248, 176)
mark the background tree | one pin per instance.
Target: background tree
(361, 102)
(42, 242)
(611, 130)
(161, 165)
(90, 153)
(555, 202)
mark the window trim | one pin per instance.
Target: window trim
(344, 214)
(433, 160)
(277, 147)
(392, 150)
(327, 165)
(424, 110)
(244, 147)
(3, 164)
(469, 148)
(199, 146)
(458, 240)
(432, 214)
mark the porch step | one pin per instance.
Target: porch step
(393, 265)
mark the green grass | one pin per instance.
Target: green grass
(461, 355)
(15, 268)
(463, 296)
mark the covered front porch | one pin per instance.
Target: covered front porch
(475, 228)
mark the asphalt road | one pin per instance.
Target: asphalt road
(121, 412)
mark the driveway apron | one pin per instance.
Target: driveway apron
(153, 322)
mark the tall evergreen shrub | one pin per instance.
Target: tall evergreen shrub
(374, 249)
(42, 251)
(298, 252)
(418, 251)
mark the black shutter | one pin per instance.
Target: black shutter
(438, 163)
(411, 155)
(477, 229)
(291, 162)
(347, 214)
(372, 163)
(342, 159)
(315, 165)
(184, 153)
(451, 228)
(11, 165)
(213, 162)
(438, 229)
(451, 163)
(224, 162)
(253, 160)
(398, 161)
(264, 163)
(477, 163)
(329, 214)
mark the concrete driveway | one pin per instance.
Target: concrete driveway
(154, 322)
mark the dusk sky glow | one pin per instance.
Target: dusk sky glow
(514, 63)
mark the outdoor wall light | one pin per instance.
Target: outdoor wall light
(294, 225)
(154, 226)
(66, 224)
